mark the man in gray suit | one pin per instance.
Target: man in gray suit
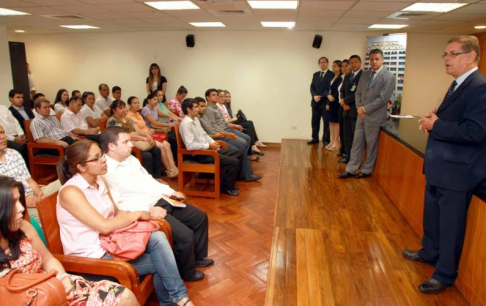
(374, 90)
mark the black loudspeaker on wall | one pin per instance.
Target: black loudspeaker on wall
(317, 41)
(190, 41)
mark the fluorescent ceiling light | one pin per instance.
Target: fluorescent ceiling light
(276, 5)
(79, 27)
(7, 12)
(19, 31)
(278, 24)
(173, 5)
(208, 24)
(480, 27)
(433, 7)
(388, 26)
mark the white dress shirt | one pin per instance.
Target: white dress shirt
(22, 111)
(94, 113)
(10, 124)
(463, 77)
(103, 103)
(193, 135)
(71, 121)
(131, 187)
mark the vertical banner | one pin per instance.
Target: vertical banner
(394, 47)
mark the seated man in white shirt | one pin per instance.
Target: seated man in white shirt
(133, 189)
(72, 121)
(104, 101)
(12, 165)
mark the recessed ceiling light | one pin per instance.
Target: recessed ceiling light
(480, 27)
(278, 24)
(79, 27)
(173, 5)
(388, 26)
(19, 31)
(208, 24)
(433, 7)
(276, 5)
(7, 12)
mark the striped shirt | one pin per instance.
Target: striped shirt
(50, 128)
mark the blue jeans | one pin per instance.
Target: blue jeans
(242, 143)
(159, 260)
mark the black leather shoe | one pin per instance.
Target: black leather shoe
(412, 255)
(258, 153)
(310, 142)
(197, 276)
(343, 161)
(230, 192)
(345, 175)
(361, 175)
(253, 178)
(204, 263)
(432, 286)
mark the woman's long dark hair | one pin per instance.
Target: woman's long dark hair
(58, 96)
(7, 219)
(149, 97)
(85, 96)
(115, 104)
(76, 154)
(339, 63)
(151, 77)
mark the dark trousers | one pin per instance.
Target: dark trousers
(342, 149)
(21, 148)
(317, 114)
(189, 234)
(171, 138)
(151, 161)
(349, 125)
(445, 213)
(249, 129)
(230, 160)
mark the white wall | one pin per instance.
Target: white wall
(268, 73)
(6, 82)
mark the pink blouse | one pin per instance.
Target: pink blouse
(175, 107)
(223, 111)
(77, 238)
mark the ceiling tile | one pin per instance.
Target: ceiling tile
(188, 13)
(54, 2)
(107, 1)
(15, 3)
(127, 7)
(326, 5)
(316, 20)
(321, 13)
(380, 6)
(472, 9)
(459, 17)
(39, 10)
(199, 19)
(366, 14)
(82, 9)
(359, 20)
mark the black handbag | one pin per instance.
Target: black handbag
(241, 117)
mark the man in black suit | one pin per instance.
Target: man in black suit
(454, 163)
(321, 81)
(348, 104)
(17, 108)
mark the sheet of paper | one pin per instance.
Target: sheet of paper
(402, 116)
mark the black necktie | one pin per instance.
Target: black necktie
(450, 91)
(322, 74)
(371, 78)
(351, 77)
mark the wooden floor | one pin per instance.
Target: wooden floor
(339, 242)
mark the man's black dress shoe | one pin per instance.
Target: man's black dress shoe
(345, 175)
(432, 286)
(204, 263)
(312, 142)
(197, 276)
(412, 255)
(343, 161)
(230, 192)
(258, 153)
(361, 175)
(253, 177)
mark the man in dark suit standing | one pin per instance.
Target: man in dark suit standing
(17, 108)
(372, 94)
(454, 163)
(321, 81)
(348, 103)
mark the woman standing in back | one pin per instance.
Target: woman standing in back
(156, 80)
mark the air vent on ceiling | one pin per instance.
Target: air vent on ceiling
(65, 17)
(407, 15)
(231, 12)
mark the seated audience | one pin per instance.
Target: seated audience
(62, 98)
(14, 132)
(164, 146)
(165, 115)
(156, 80)
(85, 210)
(116, 93)
(175, 104)
(104, 101)
(227, 103)
(12, 165)
(213, 123)
(150, 113)
(17, 108)
(151, 154)
(73, 121)
(37, 96)
(22, 249)
(195, 138)
(76, 93)
(90, 111)
(133, 189)
(47, 129)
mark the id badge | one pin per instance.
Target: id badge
(353, 88)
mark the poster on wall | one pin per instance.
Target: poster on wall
(394, 47)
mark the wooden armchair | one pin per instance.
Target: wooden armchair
(188, 170)
(40, 163)
(120, 270)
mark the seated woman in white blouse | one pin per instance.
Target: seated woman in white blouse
(62, 98)
(90, 111)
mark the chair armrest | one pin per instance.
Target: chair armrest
(35, 145)
(138, 153)
(124, 272)
(198, 152)
(222, 144)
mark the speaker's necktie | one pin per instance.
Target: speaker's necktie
(372, 77)
(450, 91)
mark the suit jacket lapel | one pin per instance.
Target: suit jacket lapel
(457, 93)
(378, 75)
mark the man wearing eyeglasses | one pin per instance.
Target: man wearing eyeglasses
(454, 162)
